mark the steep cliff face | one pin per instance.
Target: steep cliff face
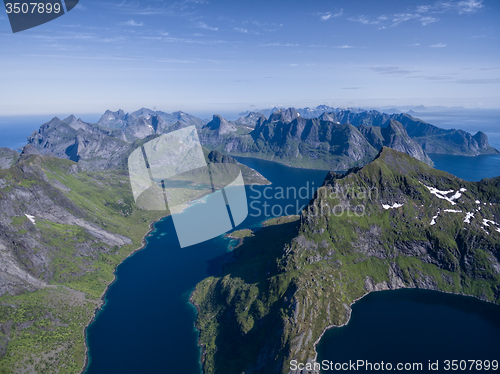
(250, 120)
(8, 157)
(314, 143)
(79, 141)
(394, 223)
(335, 141)
(436, 140)
(220, 126)
(63, 231)
(147, 119)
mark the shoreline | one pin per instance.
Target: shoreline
(203, 351)
(102, 298)
(277, 162)
(316, 343)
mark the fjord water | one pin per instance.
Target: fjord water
(471, 169)
(147, 323)
(415, 326)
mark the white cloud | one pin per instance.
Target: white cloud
(203, 25)
(345, 46)
(423, 13)
(403, 17)
(326, 16)
(460, 7)
(427, 20)
(365, 21)
(133, 23)
(279, 45)
(439, 45)
(470, 6)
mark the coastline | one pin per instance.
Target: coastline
(102, 298)
(203, 351)
(276, 161)
(349, 312)
(102, 301)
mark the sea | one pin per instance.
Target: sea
(147, 323)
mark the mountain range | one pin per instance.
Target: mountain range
(68, 218)
(335, 140)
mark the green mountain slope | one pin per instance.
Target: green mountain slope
(63, 231)
(394, 223)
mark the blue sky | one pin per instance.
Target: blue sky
(227, 56)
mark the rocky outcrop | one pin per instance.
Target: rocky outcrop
(25, 259)
(250, 120)
(8, 157)
(219, 126)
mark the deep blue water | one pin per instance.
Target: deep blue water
(415, 326)
(147, 323)
(471, 169)
(15, 130)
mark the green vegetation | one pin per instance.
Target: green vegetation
(291, 281)
(240, 234)
(43, 328)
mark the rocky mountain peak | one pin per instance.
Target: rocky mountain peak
(284, 115)
(70, 119)
(220, 125)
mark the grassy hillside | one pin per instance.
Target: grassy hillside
(42, 324)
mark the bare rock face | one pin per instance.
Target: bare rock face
(250, 120)
(336, 140)
(220, 126)
(436, 140)
(8, 157)
(321, 143)
(25, 259)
